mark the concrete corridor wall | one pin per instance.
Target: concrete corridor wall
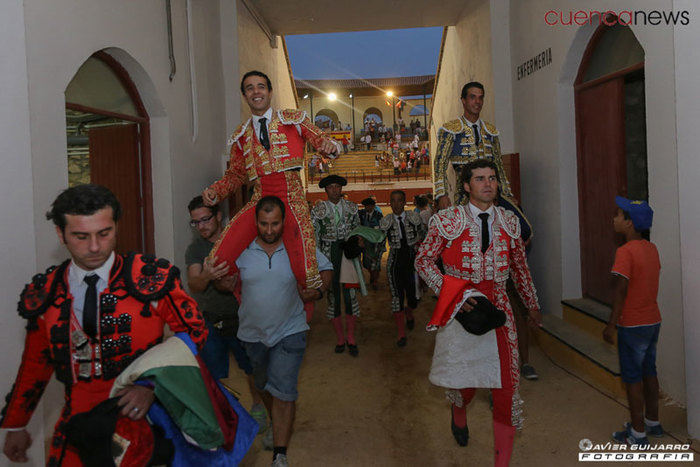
(256, 53)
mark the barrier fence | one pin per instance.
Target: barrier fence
(370, 176)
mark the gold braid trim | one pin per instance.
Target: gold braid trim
(300, 210)
(446, 140)
(498, 160)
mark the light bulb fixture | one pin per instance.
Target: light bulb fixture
(332, 96)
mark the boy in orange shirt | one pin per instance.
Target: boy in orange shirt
(636, 315)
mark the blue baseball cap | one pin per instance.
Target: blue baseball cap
(639, 211)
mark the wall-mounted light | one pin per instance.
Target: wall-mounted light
(332, 96)
(350, 96)
(390, 93)
(306, 96)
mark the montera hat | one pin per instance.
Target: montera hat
(325, 181)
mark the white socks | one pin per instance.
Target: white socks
(651, 422)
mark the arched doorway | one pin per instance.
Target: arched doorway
(326, 119)
(611, 146)
(374, 114)
(108, 144)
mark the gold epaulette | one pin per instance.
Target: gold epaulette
(491, 129)
(453, 126)
(291, 116)
(239, 132)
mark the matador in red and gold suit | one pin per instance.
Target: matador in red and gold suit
(143, 293)
(462, 361)
(274, 171)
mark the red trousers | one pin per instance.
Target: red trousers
(298, 236)
(503, 396)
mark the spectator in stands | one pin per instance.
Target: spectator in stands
(345, 143)
(368, 140)
(397, 166)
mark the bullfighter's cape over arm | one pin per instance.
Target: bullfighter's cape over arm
(143, 292)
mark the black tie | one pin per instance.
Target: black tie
(264, 140)
(477, 139)
(484, 231)
(90, 305)
(404, 242)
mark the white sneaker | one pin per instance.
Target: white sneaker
(267, 441)
(280, 461)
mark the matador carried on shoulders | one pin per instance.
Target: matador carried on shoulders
(268, 150)
(467, 139)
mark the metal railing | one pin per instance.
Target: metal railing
(372, 176)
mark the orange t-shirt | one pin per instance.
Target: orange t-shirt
(638, 261)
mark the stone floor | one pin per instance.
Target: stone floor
(380, 409)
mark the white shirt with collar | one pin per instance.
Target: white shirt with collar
(491, 211)
(78, 287)
(256, 122)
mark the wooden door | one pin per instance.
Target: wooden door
(114, 163)
(601, 176)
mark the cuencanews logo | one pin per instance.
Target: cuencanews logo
(611, 18)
